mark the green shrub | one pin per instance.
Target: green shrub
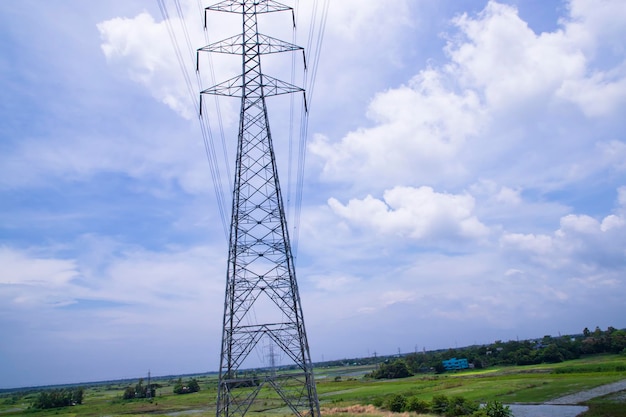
(459, 406)
(416, 405)
(497, 409)
(377, 402)
(454, 406)
(396, 403)
(440, 404)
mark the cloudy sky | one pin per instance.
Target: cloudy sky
(465, 182)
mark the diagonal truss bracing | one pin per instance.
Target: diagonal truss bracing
(262, 303)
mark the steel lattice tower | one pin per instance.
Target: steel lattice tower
(262, 307)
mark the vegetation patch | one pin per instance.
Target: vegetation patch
(59, 398)
(358, 409)
(346, 391)
(591, 368)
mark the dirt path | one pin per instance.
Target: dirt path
(589, 394)
(545, 410)
(566, 406)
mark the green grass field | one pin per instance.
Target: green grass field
(341, 389)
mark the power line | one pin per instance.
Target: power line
(316, 31)
(204, 122)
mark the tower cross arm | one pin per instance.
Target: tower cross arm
(229, 88)
(270, 86)
(273, 87)
(270, 45)
(237, 6)
(235, 45)
(232, 45)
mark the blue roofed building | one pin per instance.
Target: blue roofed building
(455, 364)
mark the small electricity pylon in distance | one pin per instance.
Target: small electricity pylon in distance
(262, 304)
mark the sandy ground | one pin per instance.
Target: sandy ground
(546, 410)
(589, 394)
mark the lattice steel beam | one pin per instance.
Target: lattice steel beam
(262, 302)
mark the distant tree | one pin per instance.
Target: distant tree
(416, 362)
(59, 398)
(78, 395)
(600, 341)
(139, 391)
(129, 393)
(551, 354)
(178, 386)
(392, 370)
(439, 368)
(618, 341)
(191, 386)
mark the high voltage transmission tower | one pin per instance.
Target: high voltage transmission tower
(262, 308)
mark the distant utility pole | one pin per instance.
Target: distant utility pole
(149, 393)
(262, 303)
(272, 360)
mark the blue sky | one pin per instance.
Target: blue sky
(465, 182)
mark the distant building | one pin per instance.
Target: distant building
(455, 364)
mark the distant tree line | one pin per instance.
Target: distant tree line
(442, 405)
(140, 391)
(59, 398)
(190, 386)
(391, 370)
(528, 352)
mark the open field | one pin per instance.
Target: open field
(342, 390)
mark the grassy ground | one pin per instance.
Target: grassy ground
(528, 384)
(343, 392)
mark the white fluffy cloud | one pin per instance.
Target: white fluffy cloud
(144, 48)
(35, 281)
(149, 155)
(457, 185)
(451, 122)
(20, 269)
(583, 245)
(501, 57)
(416, 213)
(420, 129)
(110, 271)
(495, 119)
